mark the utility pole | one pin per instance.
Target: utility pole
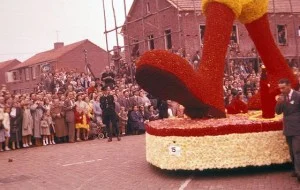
(87, 65)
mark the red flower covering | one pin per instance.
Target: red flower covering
(268, 102)
(254, 103)
(168, 76)
(237, 106)
(210, 127)
(272, 58)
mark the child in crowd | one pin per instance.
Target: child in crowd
(123, 116)
(45, 128)
(27, 125)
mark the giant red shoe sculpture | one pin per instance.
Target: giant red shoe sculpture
(244, 139)
(168, 76)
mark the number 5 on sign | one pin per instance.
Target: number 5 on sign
(174, 150)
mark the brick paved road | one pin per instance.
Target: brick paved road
(121, 165)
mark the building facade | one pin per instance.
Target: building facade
(5, 67)
(166, 24)
(61, 58)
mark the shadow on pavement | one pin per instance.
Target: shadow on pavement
(247, 171)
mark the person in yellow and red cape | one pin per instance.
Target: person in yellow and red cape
(170, 77)
(81, 117)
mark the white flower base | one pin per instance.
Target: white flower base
(216, 152)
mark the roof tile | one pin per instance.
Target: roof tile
(6, 63)
(49, 55)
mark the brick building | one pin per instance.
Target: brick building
(26, 75)
(5, 67)
(180, 24)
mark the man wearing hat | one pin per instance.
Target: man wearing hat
(108, 77)
(109, 115)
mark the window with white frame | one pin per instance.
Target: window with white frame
(202, 30)
(136, 48)
(151, 45)
(14, 75)
(27, 77)
(33, 72)
(168, 39)
(282, 35)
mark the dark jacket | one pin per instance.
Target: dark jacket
(125, 103)
(136, 120)
(107, 105)
(16, 122)
(291, 114)
(69, 111)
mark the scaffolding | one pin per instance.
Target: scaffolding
(142, 19)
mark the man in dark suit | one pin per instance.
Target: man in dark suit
(163, 109)
(288, 103)
(125, 100)
(69, 106)
(136, 121)
(109, 115)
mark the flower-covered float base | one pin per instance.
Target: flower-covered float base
(235, 141)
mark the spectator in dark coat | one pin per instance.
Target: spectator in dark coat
(163, 109)
(108, 77)
(136, 121)
(145, 113)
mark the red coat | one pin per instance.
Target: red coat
(79, 117)
(91, 90)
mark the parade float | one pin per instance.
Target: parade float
(211, 138)
(235, 141)
(242, 138)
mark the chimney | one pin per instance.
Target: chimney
(58, 45)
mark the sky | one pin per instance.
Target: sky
(33, 26)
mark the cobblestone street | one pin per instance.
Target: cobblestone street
(121, 165)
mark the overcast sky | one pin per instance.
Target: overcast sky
(29, 27)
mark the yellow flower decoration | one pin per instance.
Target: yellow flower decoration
(224, 151)
(246, 11)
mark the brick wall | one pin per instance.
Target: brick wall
(190, 38)
(153, 25)
(96, 56)
(6, 69)
(74, 59)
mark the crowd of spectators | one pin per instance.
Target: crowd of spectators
(66, 104)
